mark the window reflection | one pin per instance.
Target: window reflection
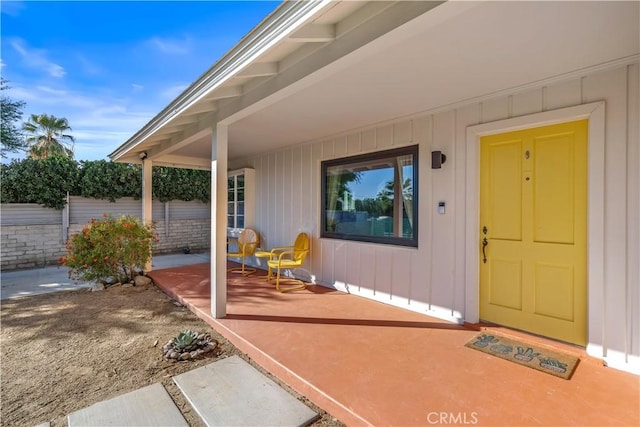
(371, 197)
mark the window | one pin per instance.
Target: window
(372, 197)
(240, 200)
(235, 201)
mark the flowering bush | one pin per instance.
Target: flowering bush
(109, 248)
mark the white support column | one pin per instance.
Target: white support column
(147, 200)
(219, 145)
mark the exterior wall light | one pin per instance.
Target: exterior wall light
(437, 159)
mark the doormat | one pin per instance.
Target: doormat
(539, 358)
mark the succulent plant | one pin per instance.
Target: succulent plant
(185, 341)
(188, 344)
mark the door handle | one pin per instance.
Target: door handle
(485, 242)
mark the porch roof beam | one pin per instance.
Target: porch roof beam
(314, 33)
(185, 162)
(203, 107)
(226, 92)
(260, 69)
(200, 129)
(182, 120)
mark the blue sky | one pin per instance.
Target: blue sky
(109, 67)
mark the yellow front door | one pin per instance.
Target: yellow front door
(533, 226)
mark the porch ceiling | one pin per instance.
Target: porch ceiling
(452, 53)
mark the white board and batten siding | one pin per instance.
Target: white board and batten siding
(431, 278)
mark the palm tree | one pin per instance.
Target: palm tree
(47, 137)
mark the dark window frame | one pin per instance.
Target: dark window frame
(378, 155)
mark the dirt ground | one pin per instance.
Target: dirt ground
(65, 351)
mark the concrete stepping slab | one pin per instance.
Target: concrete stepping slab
(149, 406)
(231, 392)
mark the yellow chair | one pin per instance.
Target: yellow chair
(288, 257)
(247, 242)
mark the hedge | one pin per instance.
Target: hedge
(47, 181)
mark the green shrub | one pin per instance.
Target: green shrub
(181, 184)
(100, 179)
(109, 248)
(47, 181)
(43, 181)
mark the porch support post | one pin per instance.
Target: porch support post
(147, 201)
(219, 144)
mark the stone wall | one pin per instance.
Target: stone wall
(32, 236)
(26, 246)
(192, 233)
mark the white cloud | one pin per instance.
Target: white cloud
(92, 144)
(37, 59)
(56, 70)
(102, 129)
(46, 97)
(17, 46)
(171, 46)
(12, 8)
(111, 118)
(172, 92)
(136, 87)
(52, 91)
(88, 66)
(99, 123)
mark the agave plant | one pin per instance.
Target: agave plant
(185, 341)
(188, 345)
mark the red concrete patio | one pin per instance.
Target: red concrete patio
(369, 363)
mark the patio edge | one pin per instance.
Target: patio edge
(275, 368)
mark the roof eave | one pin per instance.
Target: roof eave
(281, 22)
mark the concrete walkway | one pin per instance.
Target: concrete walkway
(228, 392)
(146, 407)
(34, 281)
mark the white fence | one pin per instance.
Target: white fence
(34, 236)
